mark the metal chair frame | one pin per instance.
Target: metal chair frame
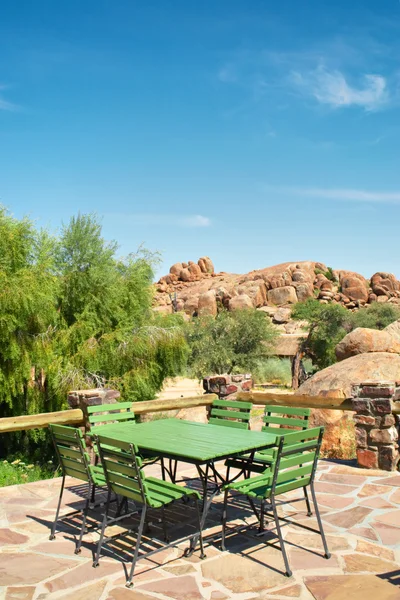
(286, 458)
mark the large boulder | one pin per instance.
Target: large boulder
(207, 304)
(337, 381)
(372, 366)
(353, 285)
(363, 340)
(206, 264)
(394, 329)
(282, 295)
(240, 302)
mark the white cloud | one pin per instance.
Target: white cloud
(163, 219)
(341, 194)
(4, 105)
(332, 88)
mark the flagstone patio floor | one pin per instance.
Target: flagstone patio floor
(360, 511)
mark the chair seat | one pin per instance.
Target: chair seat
(160, 492)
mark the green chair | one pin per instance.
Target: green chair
(106, 414)
(124, 474)
(119, 412)
(287, 419)
(230, 413)
(294, 468)
(75, 461)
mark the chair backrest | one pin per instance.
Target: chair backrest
(296, 460)
(71, 451)
(119, 412)
(286, 417)
(231, 413)
(122, 468)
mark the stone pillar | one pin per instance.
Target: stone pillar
(84, 398)
(377, 434)
(227, 385)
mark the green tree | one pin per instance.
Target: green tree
(74, 315)
(328, 324)
(231, 342)
(376, 316)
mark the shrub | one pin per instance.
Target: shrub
(232, 342)
(273, 370)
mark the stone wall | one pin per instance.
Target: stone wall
(377, 429)
(227, 385)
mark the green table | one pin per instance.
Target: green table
(195, 443)
(187, 441)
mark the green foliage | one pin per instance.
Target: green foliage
(232, 342)
(376, 316)
(273, 370)
(13, 472)
(73, 315)
(329, 274)
(329, 323)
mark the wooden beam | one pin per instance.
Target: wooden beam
(75, 416)
(289, 399)
(62, 417)
(173, 403)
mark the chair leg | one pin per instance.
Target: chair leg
(202, 554)
(280, 536)
(309, 511)
(93, 494)
(262, 511)
(321, 529)
(224, 518)
(53, 528)
(135, 556)
(85, 514)
(164, 524)
(103, 528)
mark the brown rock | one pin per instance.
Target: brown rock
(191, 305)
(282, 315)
(363, 340)
(367, 458)
(282, 295)
(375, 366)
(207, 304)
(176, 269)
(185, 275)
(206, 265)
(240, 302)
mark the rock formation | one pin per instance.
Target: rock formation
(186, 284)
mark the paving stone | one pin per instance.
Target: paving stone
(293, 591)
(370, 489)
(8, 536)
(217, 595)
(27, 567)
(20, 593)
(349, 470)
(389, 535)
(180, 569)
(123, 593)
(365, 532)
(332, 488)
(348, 518)
(358, 563)
(81, 574)
(389, 518)
(354, 587)
(302, 559)
(393, 481)
(375, 550)
(240, 575)
(63, 546)
(334, 501)
(343, 479)
(395, 497)
(376, 503)
(94, 591)
(180, 588)
(315, 541)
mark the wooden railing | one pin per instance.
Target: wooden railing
(261, 398)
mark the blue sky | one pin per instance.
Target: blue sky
(253, 132)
